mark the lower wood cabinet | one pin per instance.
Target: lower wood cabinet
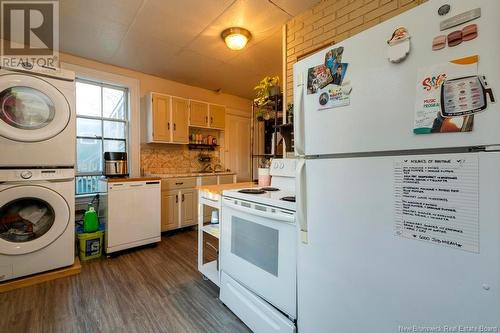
(178, 209)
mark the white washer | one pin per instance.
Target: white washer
(37, 117)
(37, 214)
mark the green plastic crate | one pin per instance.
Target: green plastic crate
(90, 244)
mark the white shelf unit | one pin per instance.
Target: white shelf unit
(210, 269)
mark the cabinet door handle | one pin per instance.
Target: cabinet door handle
(211, 120)
(179, 183)
(175, 129)
(176, 198)
(183, 197)
(206, 119)
(168, 126)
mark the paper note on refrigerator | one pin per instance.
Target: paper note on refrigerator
(428, 115)
(437, 200)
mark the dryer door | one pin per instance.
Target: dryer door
(31, 109)
(31, 217)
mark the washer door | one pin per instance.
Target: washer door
(31, 217)
(31, 109)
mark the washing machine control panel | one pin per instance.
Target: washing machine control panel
(14, 175)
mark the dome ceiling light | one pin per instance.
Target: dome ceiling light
(236, 38)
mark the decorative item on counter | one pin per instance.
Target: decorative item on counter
(289, 113)
(460, 19)
(318, 77)
(399, 45)
(465, 96)
(444, 10)
(215, 217)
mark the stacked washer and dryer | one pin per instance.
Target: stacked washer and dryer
(37, 175)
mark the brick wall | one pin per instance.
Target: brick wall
(333, 21)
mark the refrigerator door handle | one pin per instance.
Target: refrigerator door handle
(301, 200)
(299, 116)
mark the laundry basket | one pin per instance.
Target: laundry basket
(90, 244)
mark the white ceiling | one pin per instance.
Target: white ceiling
(180, 39)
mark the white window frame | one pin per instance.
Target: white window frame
(134, 119)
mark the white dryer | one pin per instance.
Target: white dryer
(37, 117)
(37, 214)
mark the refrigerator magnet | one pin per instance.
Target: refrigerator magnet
(460, 19)
(444, 10)
(399, 45)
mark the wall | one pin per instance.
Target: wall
(332, 21)
(165, 158)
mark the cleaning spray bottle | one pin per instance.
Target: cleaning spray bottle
(90, 220)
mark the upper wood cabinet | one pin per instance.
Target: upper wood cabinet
(160, 118)
(180, 119)
(207, 115)
(167, 119)
(198, 114)
(217, 116)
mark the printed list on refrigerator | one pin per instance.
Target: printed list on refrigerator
(437, 200)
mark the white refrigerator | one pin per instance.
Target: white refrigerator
(399, 202)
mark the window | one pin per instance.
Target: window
(101, 125)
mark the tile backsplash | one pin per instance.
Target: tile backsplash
(171, 158)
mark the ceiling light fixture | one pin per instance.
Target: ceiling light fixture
(236, 38)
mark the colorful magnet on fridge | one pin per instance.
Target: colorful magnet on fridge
(455, 38)
(444, 9)
(469, 32)
(439, 42)
(399, 45)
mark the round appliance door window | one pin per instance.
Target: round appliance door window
(31, 109)
(26, 219)
(31, 218)
(26, 108)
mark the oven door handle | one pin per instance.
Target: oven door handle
(280, 217)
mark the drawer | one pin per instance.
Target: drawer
(226, 179)
(177, 183)
(209, 180)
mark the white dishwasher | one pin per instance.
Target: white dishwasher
(132, 213)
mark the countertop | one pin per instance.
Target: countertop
(129, 179)
(217, 189)
(190, 174)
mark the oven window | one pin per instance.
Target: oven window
(26, 219)
(255, 243)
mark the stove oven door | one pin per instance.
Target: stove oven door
(258, 249)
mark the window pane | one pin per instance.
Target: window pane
(114, 145)
(87, 184)
(114, 130)
(113, 103)
(88, 127)
(88, 99)
(89, 155)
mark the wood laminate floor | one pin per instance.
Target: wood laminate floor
(157, 289)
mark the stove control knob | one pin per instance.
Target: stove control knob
(276, 165)
(26, 174)
(282, 165)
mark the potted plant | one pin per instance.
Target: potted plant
(267, 87)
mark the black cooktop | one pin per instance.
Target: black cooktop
(270, 189)
(252, 191)
(290, 199)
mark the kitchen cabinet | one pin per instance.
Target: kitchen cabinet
(180, 119)
(179, 203)
(217, 116)
(188, 207)
(160, 121)
(198, 114)
(169, 210)
(167, 119)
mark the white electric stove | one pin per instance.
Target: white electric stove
(258, 252)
